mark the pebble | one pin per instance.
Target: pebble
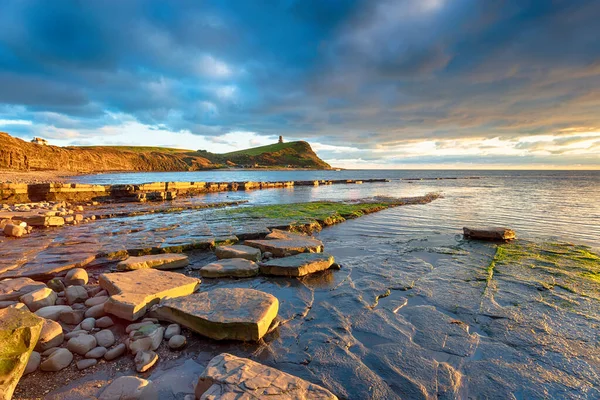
(76, 294)
(93, 290)
(40, 298)
(58, 360)
(72, 317)
(88, 324)
(56, 284)
(129, 387)
(95, 311)
(105, 338)
(137, 325)
(75, 333)
(76, 276)
(49, 351)
(50, 336)
(104, 322)
(96, 352)
(52, 312)
(115, 352)
(177, 342)
(81, 344)
(34, 362)
(86, 363)
(94, 301)
(144, 360)
(172, 330)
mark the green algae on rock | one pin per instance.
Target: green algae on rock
(19, 333)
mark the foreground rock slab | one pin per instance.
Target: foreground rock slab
(298, 265)
(238, 251)
(287, 247)
(492, 234)
(132, 293)
(158, 261)
(237, 314)
(231, 377)
(19, 332)
(232, 267)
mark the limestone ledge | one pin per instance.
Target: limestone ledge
(155, 191)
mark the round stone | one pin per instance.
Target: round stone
(96, 352)
(76, 276)
(104, 322)
(86, 363)
(34, 362)
(115, 352)
(81, 344)
(177, 342)
(105, 338)
(58, 360)
(88, 324)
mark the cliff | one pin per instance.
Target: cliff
(19, 155)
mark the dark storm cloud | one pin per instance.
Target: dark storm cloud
(370, 73)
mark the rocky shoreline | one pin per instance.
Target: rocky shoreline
(164, 299)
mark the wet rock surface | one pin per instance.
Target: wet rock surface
(230, 268)
(158, 261)
(412, 314)
(228, 376)
(298, 265)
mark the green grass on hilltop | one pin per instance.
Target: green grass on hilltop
(271, 148)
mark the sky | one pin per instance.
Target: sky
(370, 84)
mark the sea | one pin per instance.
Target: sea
(539, 205)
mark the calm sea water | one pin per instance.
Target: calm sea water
(548, 205)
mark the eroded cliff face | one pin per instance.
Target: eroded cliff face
(18, 155)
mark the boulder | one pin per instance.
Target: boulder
(51, 336)
(13, 289)
(19, 332)
(81, 344)
(238, 251)
(228, 377)
(232, 267)
(157, 261)
(129, 388)
(76, 294)
(285, 247)
(238, 314)
(491, 234)
(52, 312)
(298, 265)
(59, 359)
(43, 297)
(76, 276)
(132, 293)
(144, 360)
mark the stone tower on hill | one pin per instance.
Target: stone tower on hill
(280, 139)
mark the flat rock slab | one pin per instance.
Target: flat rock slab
(492, 234)
(232, 267)
(230, 377)
(238, 251)
(298, 265)
(132, 293)
(287, 247)
(157, 261)
(19, 332)
(13, 289)
(237, 314)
